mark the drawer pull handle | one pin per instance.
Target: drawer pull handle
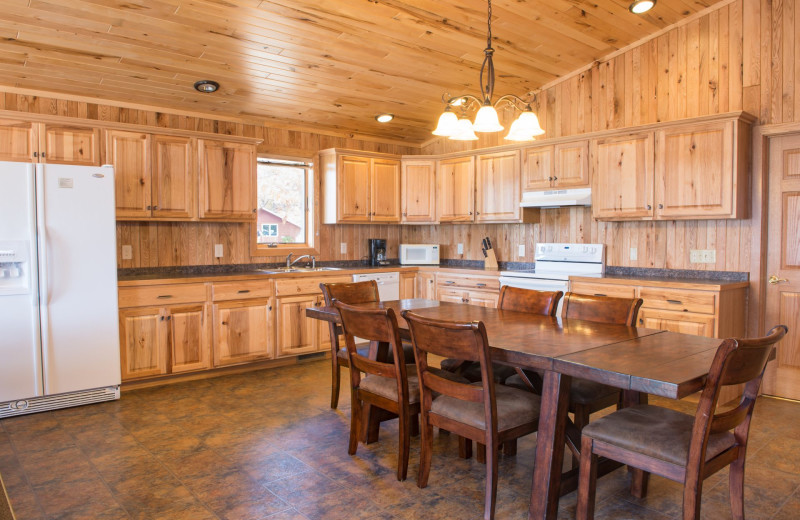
(164, 296)
(481, 285)
(600, 294)
(449, 282)
(676, 302)
(244, 291)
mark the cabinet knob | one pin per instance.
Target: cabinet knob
(269, 307)
(255, 210)
(470, 213)
(555, 178)
(36, 154)
(169, 318)
(641, 321)
(44, 154)
(477, 212)
(549, 178)
(405, 214)
(649, 206)
(660, 206)
(162, 318)
(155, 207)
(149, 207)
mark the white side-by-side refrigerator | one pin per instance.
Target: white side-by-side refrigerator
(59, 324)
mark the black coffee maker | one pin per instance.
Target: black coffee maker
(377, 251)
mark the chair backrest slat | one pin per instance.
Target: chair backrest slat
(529, 300)
(601, 309)
(452, 388)
(350, 292)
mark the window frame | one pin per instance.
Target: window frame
(309, 247)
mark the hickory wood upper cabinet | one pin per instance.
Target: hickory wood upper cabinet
(154, 175)
(455, 189)
(497, 187)
(26, 141)
(563, 165)
(360, 187)
(227, 175)
(418, 197)
(696, 169)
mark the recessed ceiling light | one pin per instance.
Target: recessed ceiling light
(384, 118)
(206, 86)
(642, 6)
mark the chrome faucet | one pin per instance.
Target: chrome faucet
(290, 262)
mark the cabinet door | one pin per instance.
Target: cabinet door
(352, 190)
(483, 298)
(385, 191)
(571, 165)
(498, 193)
(173, 177)
(537, 168)
(407, 286)
(425, 286)
(70, 145)
(143, 342)
(129, 152)
(623, 177)
(242, 331)
(695, 173)
(455, 190)
(683, 322)
(418, 186)
(188, 338)
(227, 180)
(296, 333)
(18, 140)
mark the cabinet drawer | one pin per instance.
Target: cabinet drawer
(468, 282)
(162, 294)
(683, 322)
(603, 289)
(678, 300)
(241, 290)
(308, 285)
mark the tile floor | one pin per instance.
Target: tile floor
(266, 445)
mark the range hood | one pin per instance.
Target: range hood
(556, 198)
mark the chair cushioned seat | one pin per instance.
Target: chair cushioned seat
(471, 370)
(581, 391)
(514, 408)
(408, 352)
(657, 432)
(387, 387)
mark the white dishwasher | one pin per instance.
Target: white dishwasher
(388, 284)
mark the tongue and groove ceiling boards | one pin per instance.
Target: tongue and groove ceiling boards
(330, 65)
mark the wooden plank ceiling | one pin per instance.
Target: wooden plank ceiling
(326, 64)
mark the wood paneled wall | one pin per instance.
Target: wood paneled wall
(744, 55)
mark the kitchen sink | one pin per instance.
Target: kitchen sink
(276, 270)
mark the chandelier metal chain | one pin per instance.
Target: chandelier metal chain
(488, 63)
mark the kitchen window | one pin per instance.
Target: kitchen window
(284, 214)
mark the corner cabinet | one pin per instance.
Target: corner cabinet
(360, 187)
(227, 174)
(689, 170)
(418, 191)
(497, 194)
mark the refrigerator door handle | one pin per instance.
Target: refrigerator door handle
(44, 283)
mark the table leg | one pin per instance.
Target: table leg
(549, 447)
(639, 478)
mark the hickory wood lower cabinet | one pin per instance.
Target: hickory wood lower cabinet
(465, 288)
(244, 322)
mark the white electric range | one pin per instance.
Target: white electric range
(555, 263)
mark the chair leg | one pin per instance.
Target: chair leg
(403, 446)
(491, 457)
(414, 425)
(587, 481)
(691, 500)
(510, 447)
(736, 487)
(464, 448)
(480, 455)
(581, 420)
(356, 413)
(425, 452)
(336, 378)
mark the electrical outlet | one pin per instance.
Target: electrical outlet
(343, 248)
(521, 250)
(703, 256)
(127, 252)
(460, 249)
(218, 251)
(634, 253)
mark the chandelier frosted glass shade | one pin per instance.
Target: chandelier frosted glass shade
(464, 131)
(525, 128)
(448, 123)
(486, 120)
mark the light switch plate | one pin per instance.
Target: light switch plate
(521, 250)
(703, 256)
(460, 249)
(343, 248)
(127, 252)
(634, 253)
(218, 251)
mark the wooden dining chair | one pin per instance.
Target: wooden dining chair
(352, 293)
(6, 513)
(484, 412)
(681, 447)
(389, 386)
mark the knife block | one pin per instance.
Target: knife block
(490, 262)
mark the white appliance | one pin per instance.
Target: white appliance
(59, 322)
(388, 284)
(557, 198)
(554, 265)
(419, 254)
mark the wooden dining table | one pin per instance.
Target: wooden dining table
(637, 360)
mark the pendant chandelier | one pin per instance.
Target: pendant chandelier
(460, 128)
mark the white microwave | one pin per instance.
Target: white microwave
(419, 254)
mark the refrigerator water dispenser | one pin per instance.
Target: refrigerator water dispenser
(14, 267)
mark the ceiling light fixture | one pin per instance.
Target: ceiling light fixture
(525, 128)
(641, 6)
(206, 86)
(384, 118)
